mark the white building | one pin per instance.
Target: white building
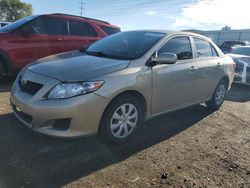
(219, 36)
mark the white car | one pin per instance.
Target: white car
(241, 56)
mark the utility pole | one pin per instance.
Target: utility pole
(82, 8)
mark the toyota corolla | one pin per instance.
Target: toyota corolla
(120, 81)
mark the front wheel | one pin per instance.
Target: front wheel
(1, 72)
(218, 96)
(121, 119)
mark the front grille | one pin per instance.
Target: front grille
(26, 118)
(248, 74)
(29, 87)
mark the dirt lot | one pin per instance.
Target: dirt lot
(188, 148)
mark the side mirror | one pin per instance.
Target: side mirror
(29, 30)
(166, 58)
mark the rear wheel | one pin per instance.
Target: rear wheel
(218, 96)
(121, 119)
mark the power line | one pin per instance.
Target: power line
(82, 8)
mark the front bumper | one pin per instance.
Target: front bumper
(242, 78)
(83, 112)
(242, 73)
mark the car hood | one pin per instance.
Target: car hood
(76, 66)
(236, 57)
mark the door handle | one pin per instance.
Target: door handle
(193, 68)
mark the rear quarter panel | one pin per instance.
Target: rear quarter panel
(228, 66)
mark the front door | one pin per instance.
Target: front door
(48, 39)
(175, 85)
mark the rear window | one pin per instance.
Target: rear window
(110, 30)
(204, 48)
(77, 28)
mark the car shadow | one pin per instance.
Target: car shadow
(33, 160)
(239, 93)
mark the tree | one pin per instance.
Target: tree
(12, 10)
(226, 28)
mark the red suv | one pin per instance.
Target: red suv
(34, 37)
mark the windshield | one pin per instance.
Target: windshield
(12, 26)
(242, 51)
(125, 45)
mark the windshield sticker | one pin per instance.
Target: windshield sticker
(155, 34)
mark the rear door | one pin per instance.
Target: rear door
(81, 35)
(175, 85)
(209, 67)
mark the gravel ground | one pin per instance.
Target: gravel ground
(187, 148)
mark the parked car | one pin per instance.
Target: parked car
(228, 46)
(34, 37)
(2, 24)
(120, 81)
(241, 56)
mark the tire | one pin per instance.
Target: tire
(117, 124)
(218, 96)
(1, 72)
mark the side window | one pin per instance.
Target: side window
(56, 26)
(49, 26)
(38, 25)
(203, 48)
(77, 28)
(180, 46)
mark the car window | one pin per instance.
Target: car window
(77, 28)
(15, 25)
(49, 26)
(109, 30)
(125, 45)
(204, 48)
(180, 46)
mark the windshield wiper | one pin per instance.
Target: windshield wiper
(98, 53)
(101, 54)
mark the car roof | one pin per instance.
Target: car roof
(69, 16)
(243, 47)
(169, 32)
(236, 41)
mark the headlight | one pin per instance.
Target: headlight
(67, 90)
